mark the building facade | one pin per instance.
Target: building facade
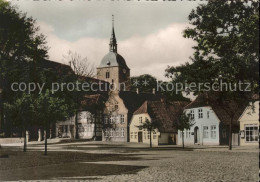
(211, 122)
(115, 119)
(249, 125)
(205, 130)
(164, 114)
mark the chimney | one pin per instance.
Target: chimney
(137, 90)
(153, 90)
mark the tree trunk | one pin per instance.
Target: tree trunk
(95, 126)
(76, 126)
(151, 138)
(25, 141)
(45, 140)
(182, 133)
(230, 133)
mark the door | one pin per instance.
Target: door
(140, 137)
(196, 135)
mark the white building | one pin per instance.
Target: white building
(89, 120)
(211, 123)
(205, 131)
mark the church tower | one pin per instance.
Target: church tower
(113, 68)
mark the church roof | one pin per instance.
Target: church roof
(113, 59)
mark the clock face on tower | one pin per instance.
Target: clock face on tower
(124, 70)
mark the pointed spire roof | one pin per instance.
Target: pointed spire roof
(113, 44)
(113, 58)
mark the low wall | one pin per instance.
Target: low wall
(11, 140)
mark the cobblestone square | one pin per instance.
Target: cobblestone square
(104, 161)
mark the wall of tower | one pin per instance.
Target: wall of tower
(117, 75)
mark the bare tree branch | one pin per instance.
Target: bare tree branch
(80, 65)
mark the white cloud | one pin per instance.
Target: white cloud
(149, 54)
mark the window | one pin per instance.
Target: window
(106, 133)
(205, 131)
(200, 113)
(116, 118)
(116, 106)
(208, 114)
(144, 135)
(105, 119)
(251, 133)
(117, 132)
(140, 120)
(66, 128)
(154, 136)
(122, 132)
(135, 134)
(107, 74)
(111, 132)
(192, 114)
(111, 119)
(213, 131)
(80, 127)
(122, 119)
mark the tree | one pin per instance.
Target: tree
(144, 83)
(148, 83)
(82, 68)
(184, 122)
(50, 109)
(21, 111)
(226, 33)
(151, 126)
(21, 47)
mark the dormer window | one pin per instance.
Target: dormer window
(200, 113)
(107, 74)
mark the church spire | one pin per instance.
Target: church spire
(113, 44)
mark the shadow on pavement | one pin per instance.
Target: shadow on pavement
(33, 165)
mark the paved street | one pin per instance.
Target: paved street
(129, 162)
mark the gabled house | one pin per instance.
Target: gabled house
(211, 123)
(249, 124)
(165, 114)
(118, 112)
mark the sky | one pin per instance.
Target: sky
(149, 34)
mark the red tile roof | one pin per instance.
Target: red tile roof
(165, 113)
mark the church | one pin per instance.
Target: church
(120, 103)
